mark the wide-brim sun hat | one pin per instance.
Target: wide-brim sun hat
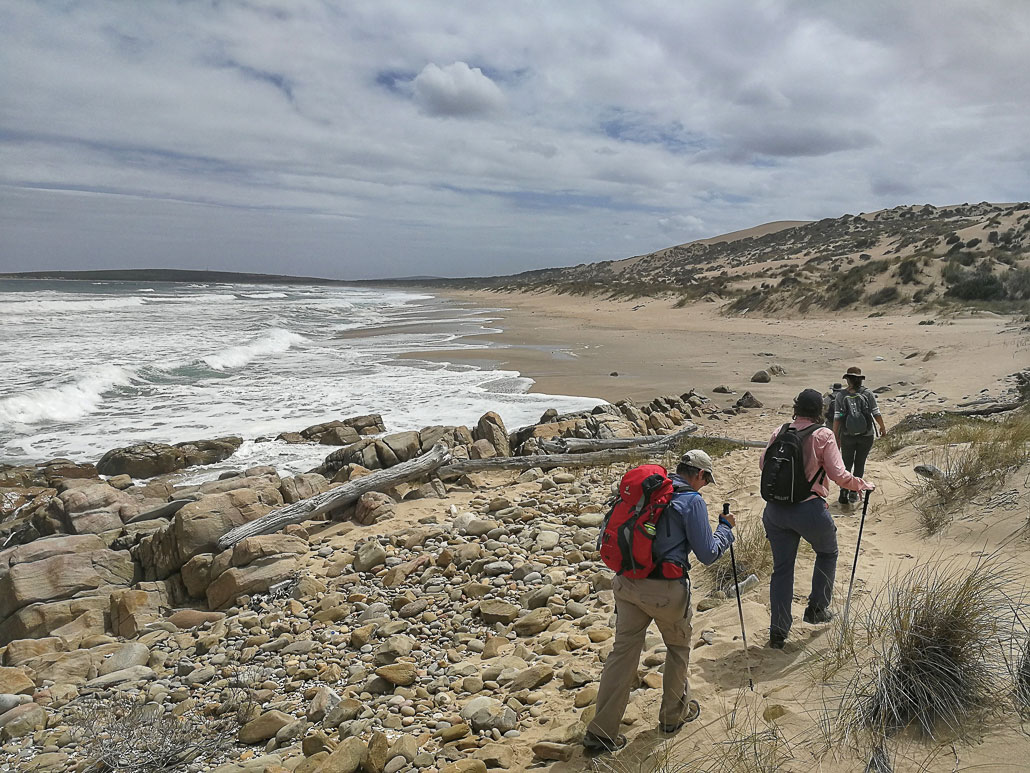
(854, 372)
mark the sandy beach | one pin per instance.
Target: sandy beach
(575, 345)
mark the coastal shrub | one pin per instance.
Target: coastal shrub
(129, 734)
(884, 295)
(936, 659)
(978, 286)
(840, 294)
(923, 295)
(1017, 284)
(908, 271)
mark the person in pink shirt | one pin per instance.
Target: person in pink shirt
(786, 524)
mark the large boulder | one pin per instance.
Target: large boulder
(482, 449)
(405, 445)
(345, 431)
(301, 487)
(36, 620)
(339, 436)
(195, 529)
(96, 508)
(373, 506)
(491, 427)
(253, 578)
(30, 579)
(145, 460)
(133, 608)
(263, 545)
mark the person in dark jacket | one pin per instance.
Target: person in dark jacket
(786, 524)
(682, 528)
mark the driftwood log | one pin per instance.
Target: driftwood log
(738, 441)
(986, 410)
(341, 496)
(575, 445)
(590, 459)
(578, 445)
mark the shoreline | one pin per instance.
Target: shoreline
(572, 345)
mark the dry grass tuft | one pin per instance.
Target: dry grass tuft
(1022, 680)
(752, 551)
(936, 662)
(747, 745)
(972, 456)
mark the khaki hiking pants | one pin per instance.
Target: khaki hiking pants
(637, 603)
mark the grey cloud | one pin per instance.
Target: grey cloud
(239, 133)
(793, 141)
(456, 90)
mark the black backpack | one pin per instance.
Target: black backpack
(783, 473)
(831, 408)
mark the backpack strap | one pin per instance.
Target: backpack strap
(678, 490)
(804, 434)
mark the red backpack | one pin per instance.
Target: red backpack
(627, 534)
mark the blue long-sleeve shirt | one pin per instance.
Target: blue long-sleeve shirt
(684, 527)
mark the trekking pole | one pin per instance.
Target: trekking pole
(740, 606)
(854, 565)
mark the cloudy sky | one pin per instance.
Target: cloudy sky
(358, 139)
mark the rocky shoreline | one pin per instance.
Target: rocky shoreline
(458, 637)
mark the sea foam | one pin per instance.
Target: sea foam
(69, 306)
(275, 341)
(67, 402)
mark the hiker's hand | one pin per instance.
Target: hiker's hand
(869, 486)
(728, 519)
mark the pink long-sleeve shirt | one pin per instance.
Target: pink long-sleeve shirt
(821, 450)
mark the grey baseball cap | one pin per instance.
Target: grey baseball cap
(699, 459)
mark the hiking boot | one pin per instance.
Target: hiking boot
(815, 615)
(595, 744)
(843, 498)
(853, 496)
(692, 713)
(776, 640)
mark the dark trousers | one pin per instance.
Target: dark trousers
(785, 526)
(854, 450)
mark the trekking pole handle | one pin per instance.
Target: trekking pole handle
(725, 508)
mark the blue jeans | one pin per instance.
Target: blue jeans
(785, 525)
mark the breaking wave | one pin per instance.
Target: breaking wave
(67, 402)
(68, 306)
(275, 341)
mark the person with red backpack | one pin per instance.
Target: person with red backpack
(795, 464)
(645, 539)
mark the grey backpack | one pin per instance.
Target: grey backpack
(858, 416)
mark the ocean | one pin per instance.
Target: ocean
(90, 366)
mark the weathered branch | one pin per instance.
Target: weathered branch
(986, 410)
(548, 461)
(737, 441)
(574, 445)
(341, 496)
